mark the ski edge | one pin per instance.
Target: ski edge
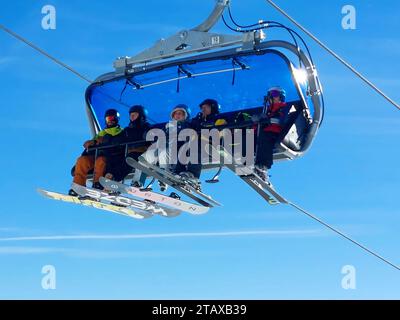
(178, 204)
(134, 164)
(171, 177)
(158, 210)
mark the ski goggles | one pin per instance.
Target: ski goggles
(275, 93)
(111, 119)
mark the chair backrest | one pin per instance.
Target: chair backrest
(296, 127)
(294, 130)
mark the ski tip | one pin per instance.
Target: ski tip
(43, 192)
(172, 215)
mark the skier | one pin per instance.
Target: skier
(117, 168)
(207, 118)
(87, 161)
(180, 116)
(269, 133)
(208, 115)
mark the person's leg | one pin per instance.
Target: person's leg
(163, 159)
(191, 170)
(115, 169)
(180, 167)
(83, 165)
(265, 149)
(99, 168)
(195, 169)
(138, 175)
(261, 149)
(150, 156)
(177, 168)
(163, 162)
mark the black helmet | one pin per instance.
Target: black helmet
(213, 104)
(112, 113)
(139, 109)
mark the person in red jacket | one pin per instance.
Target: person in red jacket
(269, 132)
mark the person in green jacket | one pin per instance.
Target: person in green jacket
(87, 161)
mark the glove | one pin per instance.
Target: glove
(220, 122)
(89, 144)
(255, 118)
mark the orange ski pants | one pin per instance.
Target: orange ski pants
(86, 163)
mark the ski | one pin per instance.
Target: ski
(94, 204)
(152, 173)
(259, 189)
(256, 180)
(182, 182)
(153, 196)
(264, 189)
(143, 206)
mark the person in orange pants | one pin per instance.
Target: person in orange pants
(87, 161)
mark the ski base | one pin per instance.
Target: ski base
(153, 196)
(146, 208)
(94, 204)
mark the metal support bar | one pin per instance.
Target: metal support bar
(183, 43)
(215, 178)
(188, 42)
(214, 16)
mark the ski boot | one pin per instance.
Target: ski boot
(137, 184)
(72, 193)
(175, 196)
(98, 186)
(191, 179)
(109, 176)
(262, 172)
(163, 186)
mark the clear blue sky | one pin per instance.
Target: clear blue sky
(349, 178)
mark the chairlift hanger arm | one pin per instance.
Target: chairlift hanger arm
(188, 42)
(214, 16)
